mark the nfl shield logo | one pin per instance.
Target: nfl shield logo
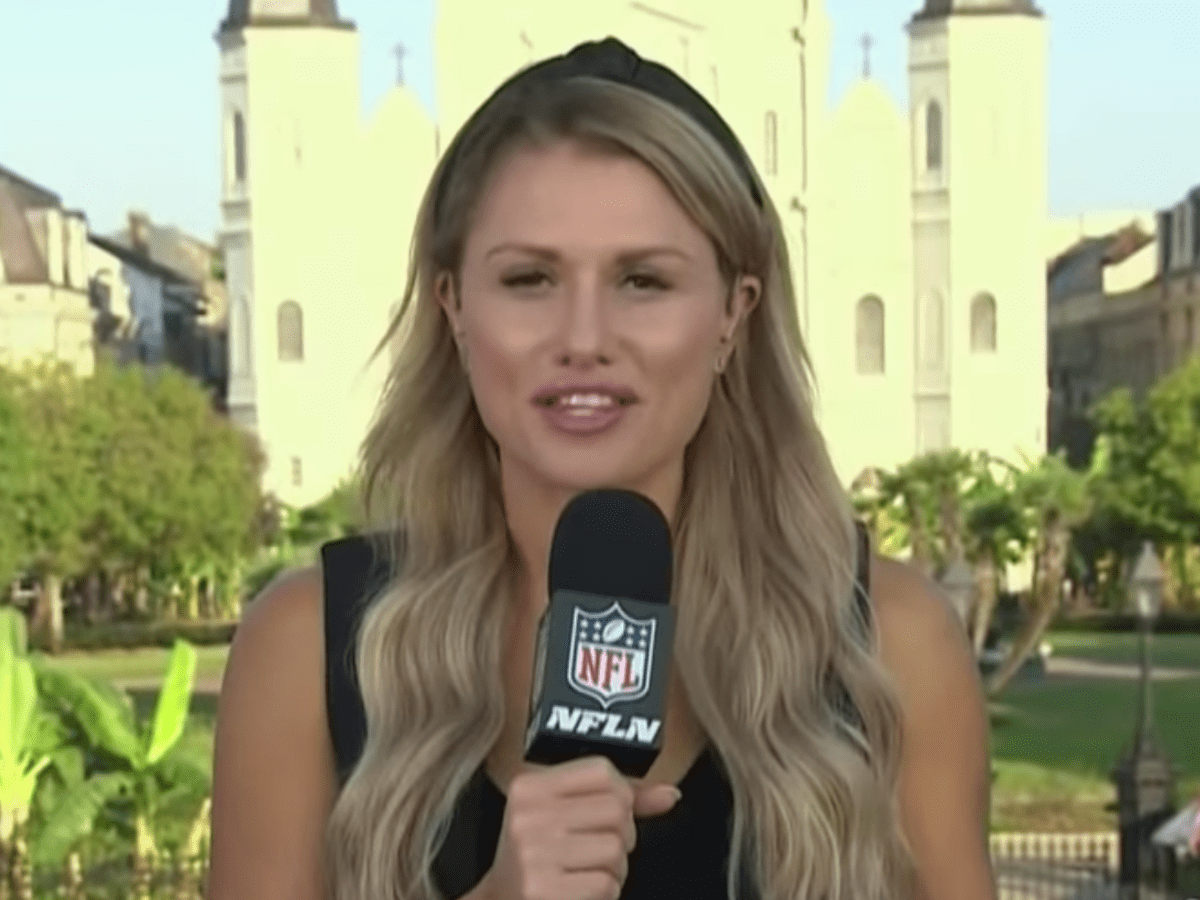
(610, 655)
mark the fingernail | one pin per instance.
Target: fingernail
(676, 794)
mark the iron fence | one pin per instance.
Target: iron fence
(1027, 866)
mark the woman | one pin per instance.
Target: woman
(600, 296)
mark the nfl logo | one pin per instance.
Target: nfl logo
(610, 655)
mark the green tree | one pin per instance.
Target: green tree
(15, 474)
(1148, 468)
(61, 493)
(180, 482)
(996, 535)
(1058, 499)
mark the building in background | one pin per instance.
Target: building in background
(45, 312)
(917, 236)
(1122, 313)
(160, 298)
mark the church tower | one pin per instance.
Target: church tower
(977, 80)
(290, 124)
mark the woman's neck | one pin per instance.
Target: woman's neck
(532, 508)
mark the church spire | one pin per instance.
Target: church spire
(259, 13)
(940, 9)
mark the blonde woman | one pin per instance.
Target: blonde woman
(600, 296)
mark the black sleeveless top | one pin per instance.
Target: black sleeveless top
(683, 853)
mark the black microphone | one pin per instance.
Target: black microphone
(604, 642)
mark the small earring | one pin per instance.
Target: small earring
(719, 363)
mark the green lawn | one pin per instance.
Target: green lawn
(1180, 651)
(1059, 740)
(139, 665)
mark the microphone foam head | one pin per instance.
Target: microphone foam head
(613, 543)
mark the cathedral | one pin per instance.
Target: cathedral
(917, 236)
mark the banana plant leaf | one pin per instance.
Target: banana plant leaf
(22, 759)
(104, 713)
(74, 813)
(174, 700)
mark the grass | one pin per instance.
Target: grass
(1054, 742)
(1054, 749)
(139, 665)
(1179, 651)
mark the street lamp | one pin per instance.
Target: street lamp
(958, 581)
(1146, 584)
(1145, 778)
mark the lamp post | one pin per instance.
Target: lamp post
(1144, 779)
(958, 581)
(1145, 582)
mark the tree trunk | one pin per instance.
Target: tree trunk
(92, 594)
(191, 599)
(1049, 573)
(141, 593)
(918, 535)
(985, 600)
(950, 515)
(52, 597)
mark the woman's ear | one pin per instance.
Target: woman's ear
(746, 293)
(446, 292)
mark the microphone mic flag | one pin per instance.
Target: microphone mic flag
(604, 643)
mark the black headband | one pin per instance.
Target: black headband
(612, 60)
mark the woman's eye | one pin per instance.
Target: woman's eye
(524, 279)
(644, 282)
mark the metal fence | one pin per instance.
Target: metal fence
(1056, 866)
(1027, 867)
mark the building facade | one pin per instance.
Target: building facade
(1122, 314)
(917, 236)
(45, 312)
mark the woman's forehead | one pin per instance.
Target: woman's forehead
(545, 197)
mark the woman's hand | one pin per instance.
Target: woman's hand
(568, 830)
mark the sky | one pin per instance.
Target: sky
(113, 104)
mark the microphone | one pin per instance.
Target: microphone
(604, 642)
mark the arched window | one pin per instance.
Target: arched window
(933, 136)
(869, 336)
(771, 142)
(290, 327)
(239, 149)
(983, 324)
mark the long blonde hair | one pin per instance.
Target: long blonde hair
(765, 551)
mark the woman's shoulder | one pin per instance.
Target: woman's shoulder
(273, 770)
(286, 616)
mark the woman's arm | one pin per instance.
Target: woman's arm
(273, 769)
(945, 783)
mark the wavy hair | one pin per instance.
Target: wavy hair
(768, 634)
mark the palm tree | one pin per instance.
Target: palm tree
(995, 536)
(1058, 499)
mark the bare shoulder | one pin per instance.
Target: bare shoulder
(273, 771)
(919, 631)
(945, 782)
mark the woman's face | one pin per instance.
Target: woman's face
(591, 314)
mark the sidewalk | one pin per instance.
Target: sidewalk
(1072, 667)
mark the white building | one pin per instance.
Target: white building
(918, 236)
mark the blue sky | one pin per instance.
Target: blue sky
(113, 103)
